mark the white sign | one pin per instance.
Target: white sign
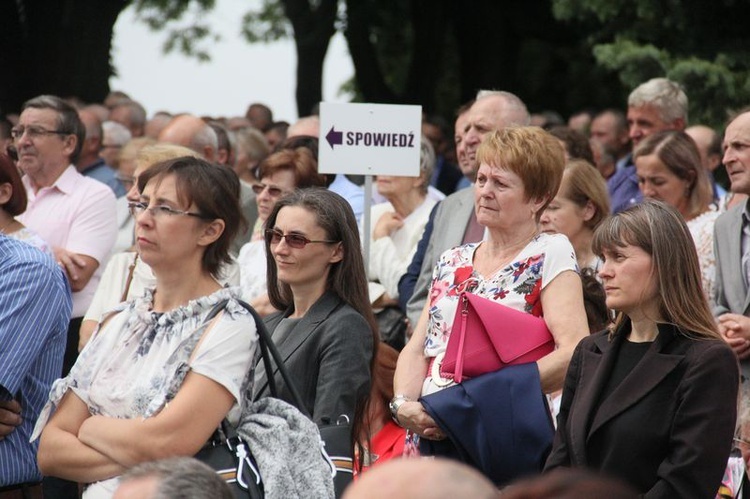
(369, 139)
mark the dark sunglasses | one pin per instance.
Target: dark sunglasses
(297, 241)
(274, 192)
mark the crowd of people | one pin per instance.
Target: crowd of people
(129, 243)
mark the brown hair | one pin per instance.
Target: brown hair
(215, 191)
(659, 230)
(9, 175)
(679, 153)
(299, 161)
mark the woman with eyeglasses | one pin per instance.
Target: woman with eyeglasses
(280, 173)
(126, 275)
(157, 379)
(326, 333)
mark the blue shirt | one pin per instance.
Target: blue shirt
(101, 171)
(623, 188)
(350, 191)
(35, 308)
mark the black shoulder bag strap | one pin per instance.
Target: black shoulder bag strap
(267, 350)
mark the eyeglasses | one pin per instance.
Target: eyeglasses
(161, 210)
(274, 192)
(297, 241)
(739, 440)
(111, 146)
(34, 132)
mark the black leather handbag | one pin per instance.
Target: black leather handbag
(229, 454)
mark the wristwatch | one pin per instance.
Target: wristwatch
(395, 404)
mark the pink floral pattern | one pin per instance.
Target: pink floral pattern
(518, 285)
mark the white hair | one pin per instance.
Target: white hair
(665, 95)
(116, 133)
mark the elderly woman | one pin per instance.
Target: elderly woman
(652, 401)
(517, 266)
(669, 169)
(397, 226)
(157, 379)
(280, 173)
(579, 207)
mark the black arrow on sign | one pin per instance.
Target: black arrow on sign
(333, 137)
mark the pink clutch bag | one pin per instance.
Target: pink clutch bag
(487, 336)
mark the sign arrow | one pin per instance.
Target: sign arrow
(333, 137)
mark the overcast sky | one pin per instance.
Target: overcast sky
(239, 73)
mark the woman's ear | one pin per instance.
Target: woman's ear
(6, 192)
(589, 211)
(211, 232)
(338, 253)
(537, 203)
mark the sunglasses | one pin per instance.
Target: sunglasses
(297, 241)
(274, 192)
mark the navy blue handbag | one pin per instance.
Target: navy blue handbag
(498, 422)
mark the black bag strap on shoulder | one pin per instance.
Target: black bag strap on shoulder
(268, 351)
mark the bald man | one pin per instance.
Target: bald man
(422, 479)
(192, 132)
(709, 147)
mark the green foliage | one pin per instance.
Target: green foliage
(702, 45)
(267, 24)
(190, 36)
(634, 63)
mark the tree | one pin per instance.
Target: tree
(56, 48)
(702, 45)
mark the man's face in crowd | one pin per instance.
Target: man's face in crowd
(43, 151)
(645, 120)
(737, 153)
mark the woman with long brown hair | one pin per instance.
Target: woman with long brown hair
(653, 401)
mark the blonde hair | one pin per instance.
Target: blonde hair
(151, 155)
(582, 183)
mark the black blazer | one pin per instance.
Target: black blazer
(666, 429)
(327, 354)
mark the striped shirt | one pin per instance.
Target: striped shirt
(35, 307)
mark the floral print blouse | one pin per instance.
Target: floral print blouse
(136, 363)
(517, 285)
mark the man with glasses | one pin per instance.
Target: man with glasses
(73, 213)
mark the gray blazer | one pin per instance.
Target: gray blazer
(451, 220)
(327, 354)
(731, 294)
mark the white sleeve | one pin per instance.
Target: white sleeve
(559, 257)
(227, 353)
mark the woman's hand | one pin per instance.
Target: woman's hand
(412, 416)
(387, 223)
